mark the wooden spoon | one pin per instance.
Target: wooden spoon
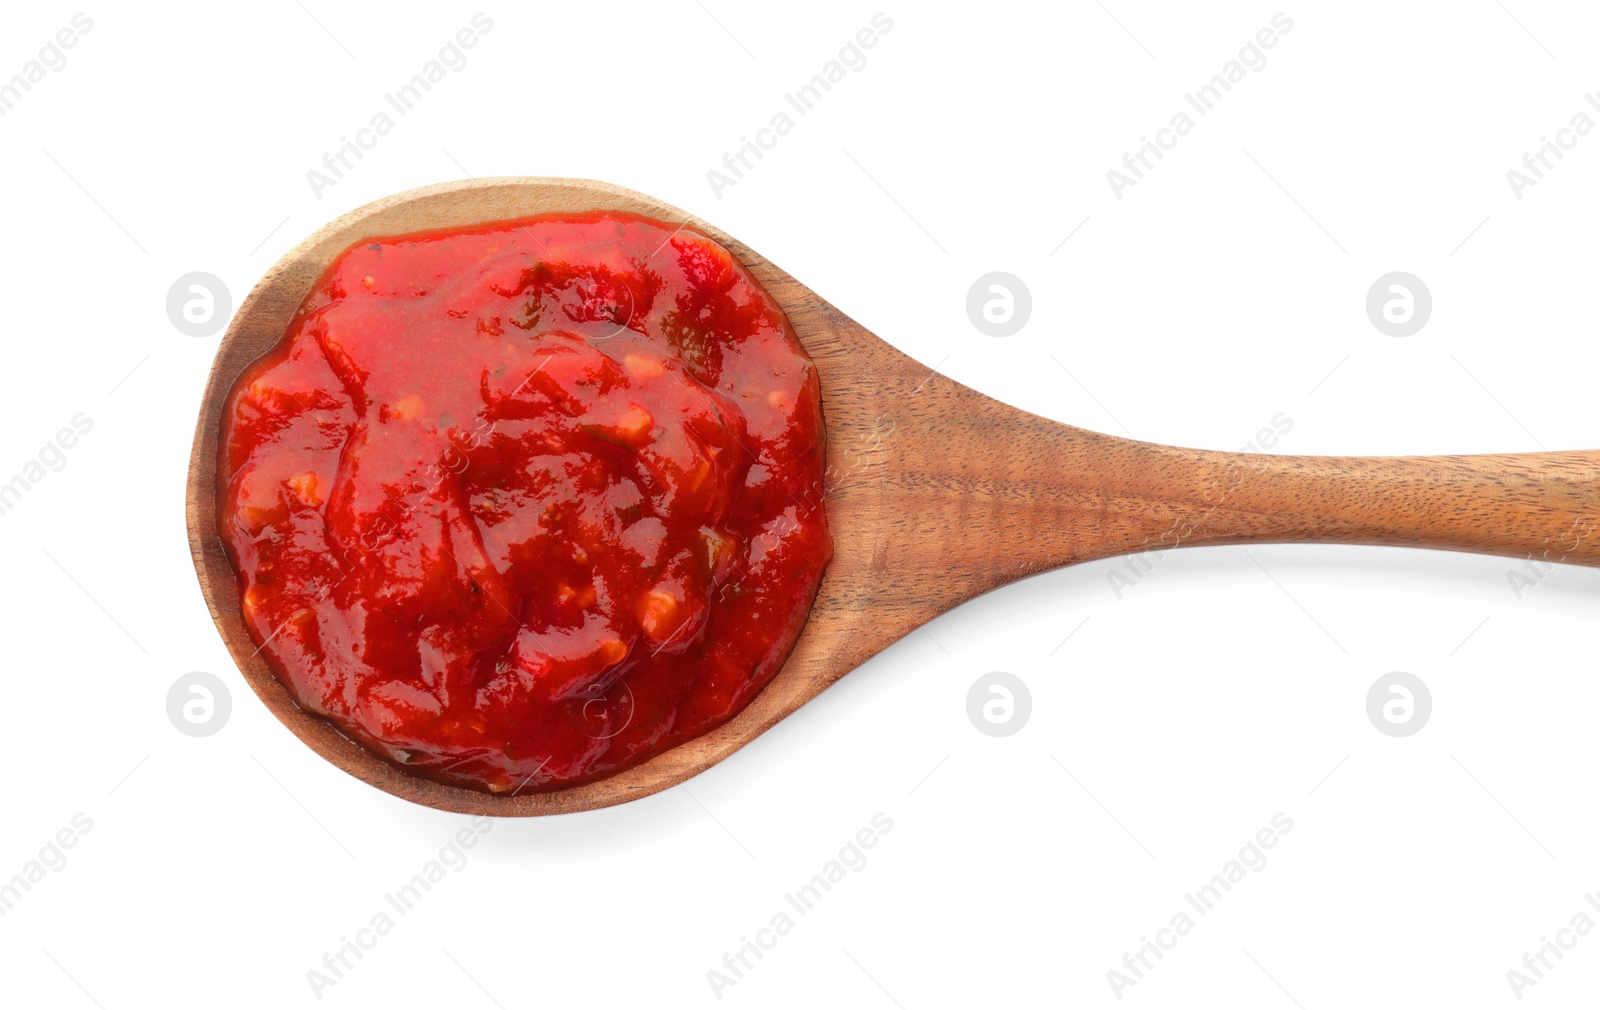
(937, 493)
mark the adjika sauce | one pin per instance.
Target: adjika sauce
(520, 506)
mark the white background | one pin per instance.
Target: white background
(1177, 720)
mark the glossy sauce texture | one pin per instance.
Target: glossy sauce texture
(520, 506)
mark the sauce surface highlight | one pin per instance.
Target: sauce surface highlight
(520, 506)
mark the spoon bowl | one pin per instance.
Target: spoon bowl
(935, 493)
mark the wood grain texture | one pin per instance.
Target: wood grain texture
(936, 493)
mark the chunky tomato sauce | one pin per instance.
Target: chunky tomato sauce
(520, 506)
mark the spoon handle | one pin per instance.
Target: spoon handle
(1544, 506)
(972, 494)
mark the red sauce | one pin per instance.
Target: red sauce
(520, 506)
